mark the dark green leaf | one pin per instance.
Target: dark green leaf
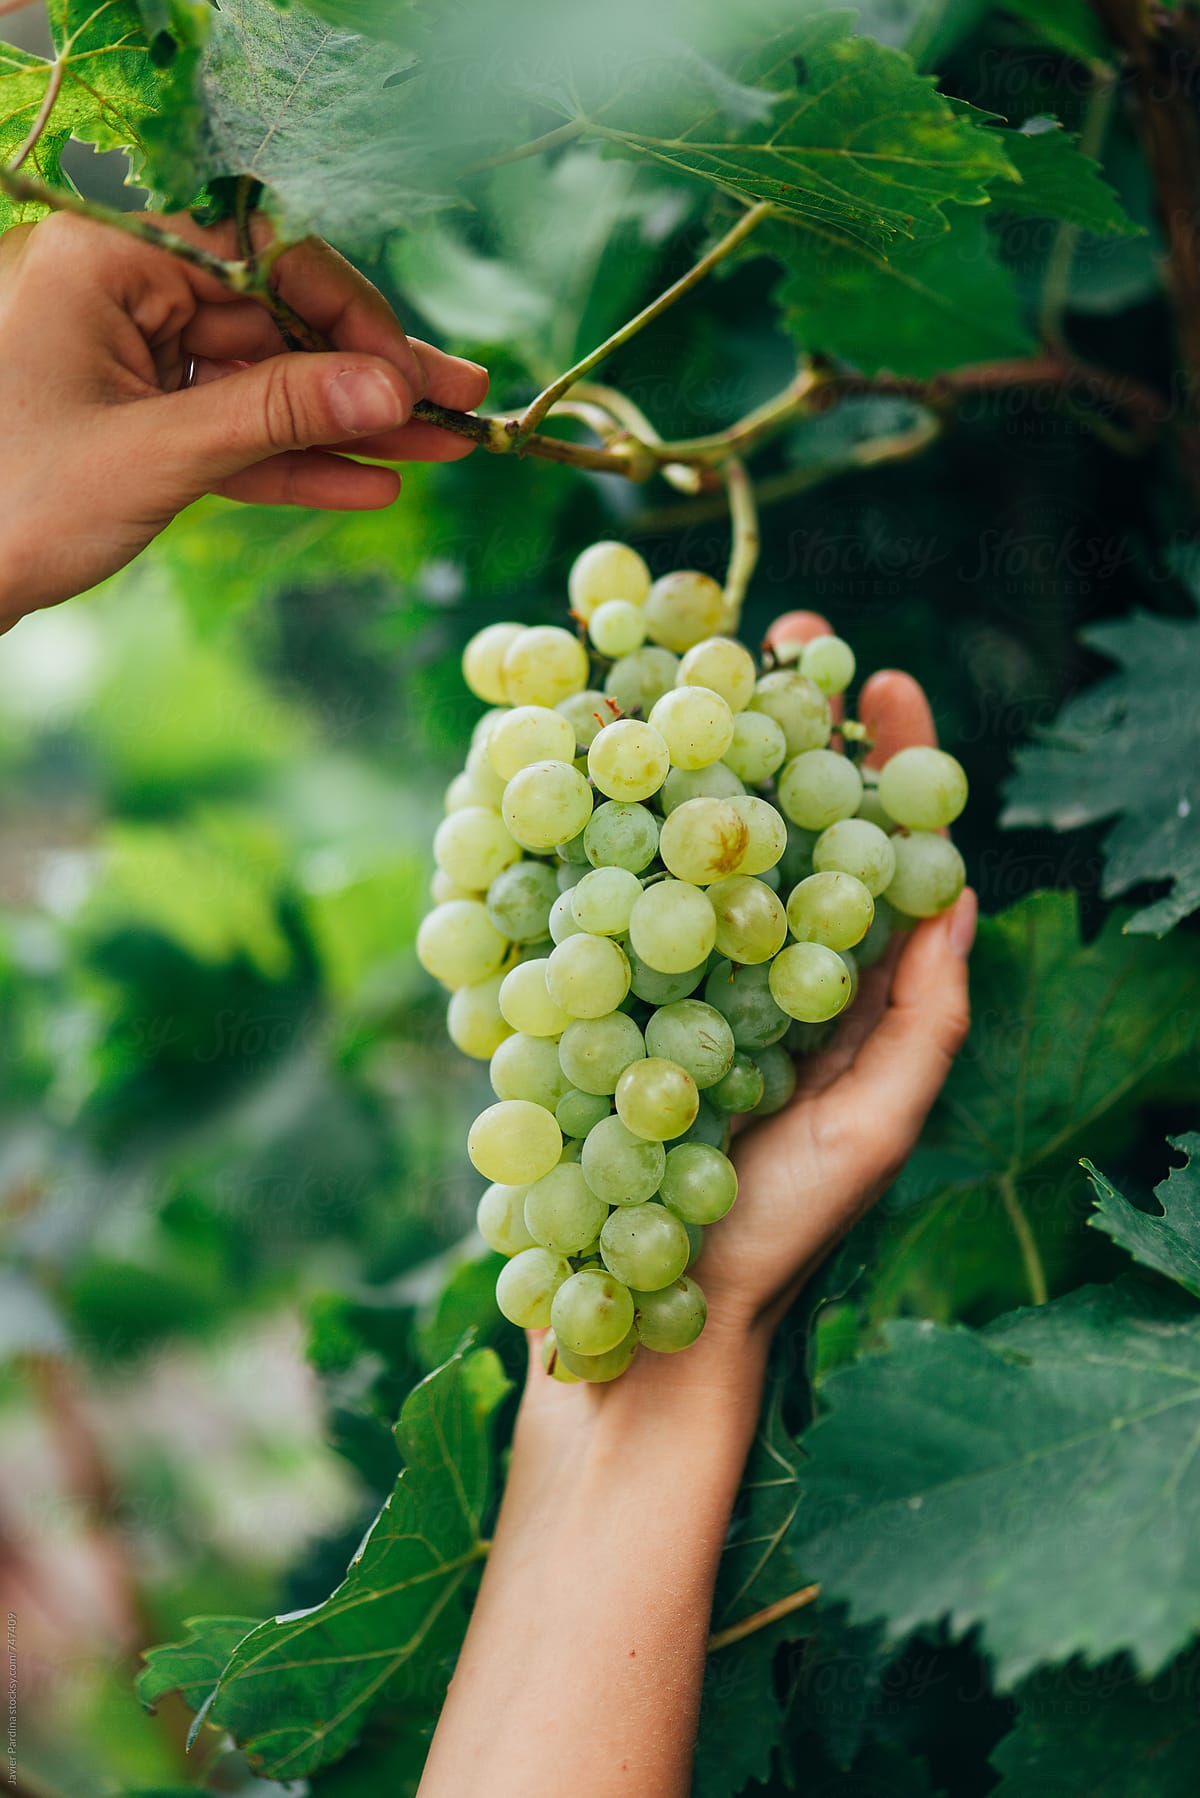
(1059, 181)
(298, 1692)
(1127, 747)
(192, 1667)
(1085, 1733)
(1170, 1242)
(1070, 25)
(985, 1480)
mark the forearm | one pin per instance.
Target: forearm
(585, 1654)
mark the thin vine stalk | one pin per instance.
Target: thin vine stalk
(770, 1613)
(743, 559)
(49, 100)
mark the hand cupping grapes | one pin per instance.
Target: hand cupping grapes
(640, 943)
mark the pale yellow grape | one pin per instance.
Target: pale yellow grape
(483, 660)
(797, 705)
(442, 889)
(487, 786)
(603, 900)
(587, 976)
(657, 1099)
(768, 834)
(526, 1004)
(810, 982)
(856, 846)
(586, 713)
(546, 804)
(617, 628)
(696, 724)
(751, 922)
(595, 1370)
(834, 909)
(458, 943)
(629, 760)
(758, 747)
(638, 680)
(672, 927)
(603, 571)
(683, 608)
(562, 1212)
(527, 1284)
(929, 874)
(703, 840)
(723, 664)
(714, 782)
(476, 1024)
(818, 787)
(543, 665)
(562, 918)
(592, 1312)
(529, 733)
(923, 788)
(461, 791)
(483, 727)
(472, 846)
(500, 1219)
(829, 663)
(514, 1142)
(527, 1067)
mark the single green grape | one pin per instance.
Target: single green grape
(656, 988)
(671, 1318)
(545, 804)
(527, 1285)
(578, 1112)
(758, 747)
(742, 1088)
(797, 705)
(628, 760)
(603, 571)
(723, 664)
(587, 713)
(923, 788)
(657, 1099)
(543, 665)
(637, 681)
(778, 1072)
(810, 982)
(500, 1219)
(561, 1210)
(829, 663)
(683, 608)
(458, 943)
(529, 733)
(527, 1067)
(672, 926)
(617, 628)
(621, 834)
(873, 945)
(526, 1004)
(594, 1052)
(562, 917)
(587, 976)
(714, 782)
(472, 845)
(694, 1035)
(645, 1246)
(751, 922)
(474, 1020)
(834, 909)
(929, 874)
(603, 900)
(591, 1312)
(596, 1369)
(621, 1168)
(696, 724)
(856, 846)
(710, 1125)
(514, 1142)
(743, 996)
(699, 1183)
(483, 659)
(703, 840)
(818, 787)
(768, 834)
(519, 900)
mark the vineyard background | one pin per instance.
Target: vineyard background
(235, 1208)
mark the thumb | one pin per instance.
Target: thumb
(288, 402)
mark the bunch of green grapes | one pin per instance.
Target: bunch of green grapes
(651, 876)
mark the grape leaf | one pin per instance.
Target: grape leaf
(1070, 25)
(924, 307)
(1169, 1243)
(318, 115)
(1064, 1037)
(297, 1692)
(858, 141)
(984, 1479)
(192, 1667)
(1059, 181)
(1084, 1733)
(1128, 746)
(112, 87)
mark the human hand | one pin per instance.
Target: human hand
(100, 447)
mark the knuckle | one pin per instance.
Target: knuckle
(286, 419)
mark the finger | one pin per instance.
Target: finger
(315, 479)
(901, 1067)
(451, 380)
(242, 331)
(896, 713)
(803, 627)
(192, 441)
(12, 243)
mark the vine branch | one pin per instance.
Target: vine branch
(770, 1613)
(49, 98)
(743, 518)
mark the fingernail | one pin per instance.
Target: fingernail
(363, 400)
(963, 920)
